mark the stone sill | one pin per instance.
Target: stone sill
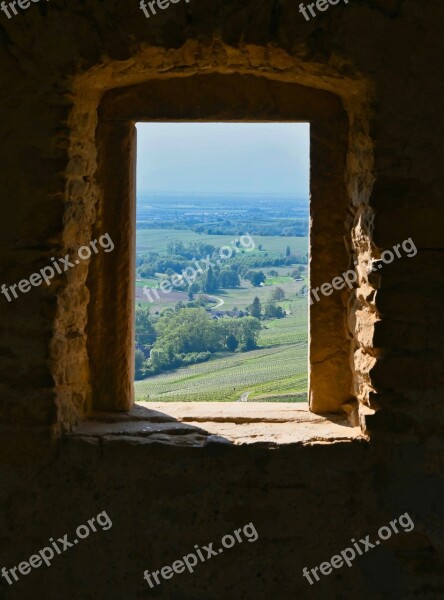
(198, 424)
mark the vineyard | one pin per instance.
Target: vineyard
(277, 371)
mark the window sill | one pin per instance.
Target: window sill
(198, 424)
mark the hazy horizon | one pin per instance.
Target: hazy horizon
(223, 159)
(217, 193)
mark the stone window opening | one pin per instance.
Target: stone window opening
(218, 97)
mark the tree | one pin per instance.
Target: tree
(211, 283)
(248, 332)
(278, 294)
(297, 272)
(288, 251)
(147, 271)
(193, 289)
(175, 248)
(139, 363)
(145, 332)
(257, 278)
(189, 330)
(232, 342)
(228, 279)
(158, 360)
(255, 309)
(273, 311)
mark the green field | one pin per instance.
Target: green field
(242, 297)
(151, 282)
(156, 240)
(238, 298)
(275, 372)
(279, 280)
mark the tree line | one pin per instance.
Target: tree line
(187, 336)
(227, 275)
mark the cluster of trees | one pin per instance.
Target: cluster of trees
(181, 258)
(191, 250)
(213, 280)
(244, 262)
(186, 336)
(209, 282)
(256, 278)
(271, 222)
(270, 310)
(286, 227)
(297, 272)
(149, 223)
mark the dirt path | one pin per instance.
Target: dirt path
(220, 303)
(244, 397)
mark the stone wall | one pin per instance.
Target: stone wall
(306, 503)
(383, 60)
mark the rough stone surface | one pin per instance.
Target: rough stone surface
(228, 96)
(267, 423)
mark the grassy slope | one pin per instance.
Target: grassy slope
(263, 372)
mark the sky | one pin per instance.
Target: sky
(247, 158)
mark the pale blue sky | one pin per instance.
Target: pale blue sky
(264, 158)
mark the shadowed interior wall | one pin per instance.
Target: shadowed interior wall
(383, 60)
